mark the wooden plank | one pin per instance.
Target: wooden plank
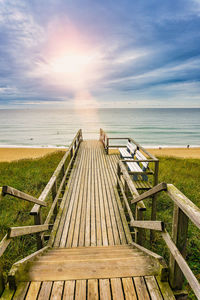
(80, 293)
(129, 290)
(88, 204)
(104, 289)
(96, 268)
(20, 267)
(23, 230)
(141, 288)
(59, 222)
(8, 293)
(84, 202)
(187, 206)
(120, 208)
(45, 290)
(116, 202)
(4, 244)
(69, 289)
(156, 189)
(97, 204)
(80, 205)
(116, 287)
(56, 293)
(109, 200)
(153, 287)
(33, 291)
(21, 291)
(92, 217)
(153, 225)
(92, 289)
(101, 204)
(105, 202)
(75, 199)
(165, 289)
(182, 264)
(7, 190)
(67, 217)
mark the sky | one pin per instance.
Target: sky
(99, 53)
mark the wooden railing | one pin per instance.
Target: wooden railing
(151, 159)
(184, 210)
(52, 186)
(55, 187)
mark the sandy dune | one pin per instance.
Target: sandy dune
(11, 154)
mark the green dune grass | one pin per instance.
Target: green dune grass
(31, 176)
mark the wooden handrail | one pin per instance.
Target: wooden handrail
(187, 206)
(184, 209)
(4, 244)
(152, 225)
(24, 230)
(156, 189)
(7, 190)
(48, 187)
(182, 264)
(52, 184)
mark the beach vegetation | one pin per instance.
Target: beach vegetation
(31, 176)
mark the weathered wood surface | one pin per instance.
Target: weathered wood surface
(23, 230)
(36, 208)
(91, 240)
(156, 189)
(187, 206)
(92, 213)
(182, 264)
(90, 263)
(153, 225)
(7, 190)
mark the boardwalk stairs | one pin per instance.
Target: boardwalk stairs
(91, 244)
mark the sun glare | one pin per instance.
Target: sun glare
(72, 63)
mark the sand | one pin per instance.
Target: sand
(177, 152)
(11, 154)
(174, 152)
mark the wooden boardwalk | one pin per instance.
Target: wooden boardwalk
(92, 256)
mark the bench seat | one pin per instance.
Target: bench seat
(132, 152)
(124, 153)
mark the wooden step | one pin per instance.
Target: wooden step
(92, 263)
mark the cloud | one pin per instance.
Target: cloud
(141, 51)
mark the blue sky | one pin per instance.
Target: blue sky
(99, 53)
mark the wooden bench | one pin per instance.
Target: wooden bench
(131, 152)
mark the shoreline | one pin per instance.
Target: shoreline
(8, 154)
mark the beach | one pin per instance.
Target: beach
(177, 152)
(12, 154)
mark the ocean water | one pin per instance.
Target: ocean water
(56, 127)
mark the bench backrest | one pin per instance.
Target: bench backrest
(140, 156)
(131, 148)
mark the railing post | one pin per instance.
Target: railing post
(2, 285)
(139, 232)
(153, 209)
(71, 153)
(54, 193)
(38, 221)
(179, 236)
(119, 175)
(107, 145)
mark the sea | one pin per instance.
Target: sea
(151, 127)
